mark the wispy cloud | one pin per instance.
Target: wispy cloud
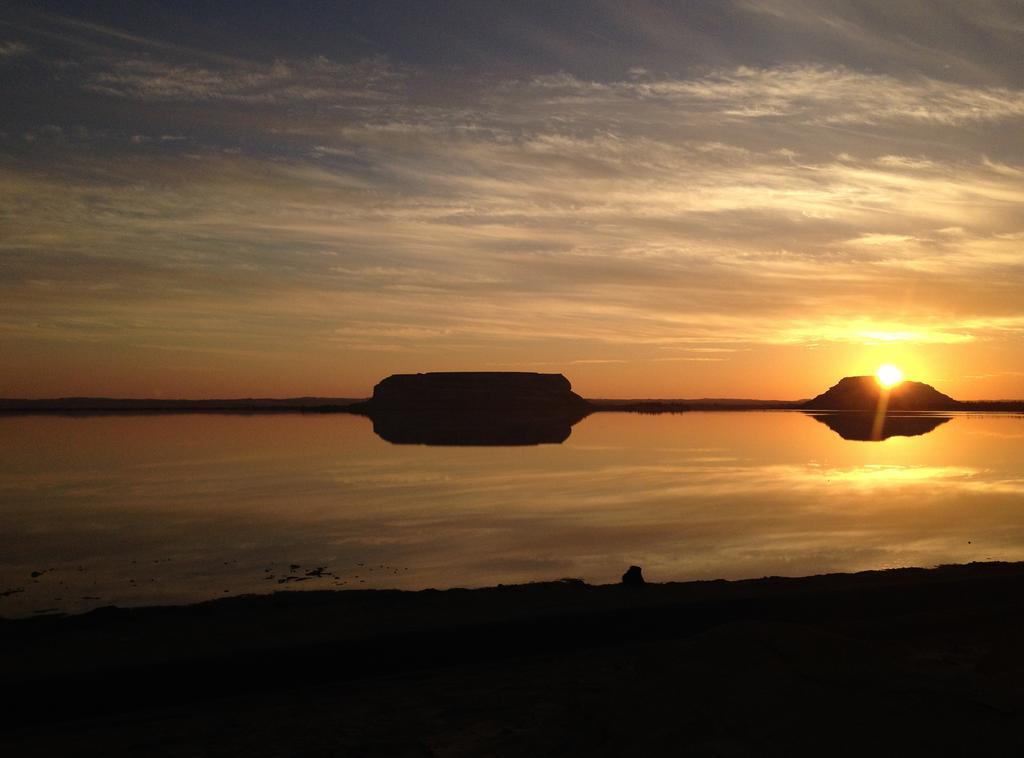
(820, 94)
(13, 49)
(315, 80)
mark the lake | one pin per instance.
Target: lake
(155, 509)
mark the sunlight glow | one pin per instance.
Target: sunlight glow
(888, 375)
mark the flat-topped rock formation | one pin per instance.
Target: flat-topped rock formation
(498, 391)
(864, 393)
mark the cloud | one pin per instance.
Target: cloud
(314, 80)
(13, 49)
(608, 238)
(815, 93)
(950, 39)
(872, 332)
(820, 94)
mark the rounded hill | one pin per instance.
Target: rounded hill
(864, 393)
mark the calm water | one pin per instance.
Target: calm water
(158, 509)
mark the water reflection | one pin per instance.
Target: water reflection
(877, 476)
(867, 427)
(478, 428)
(158, 509)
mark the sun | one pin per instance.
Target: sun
(888, 375)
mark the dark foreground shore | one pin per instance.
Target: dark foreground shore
(899, 662)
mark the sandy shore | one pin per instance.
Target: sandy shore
(908, 661)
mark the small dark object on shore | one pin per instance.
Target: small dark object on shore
(633, 577)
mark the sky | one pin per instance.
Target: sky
(691, 199)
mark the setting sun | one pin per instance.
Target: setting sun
(888, 375)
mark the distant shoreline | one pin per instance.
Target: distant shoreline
(100, 405)
(112, 406)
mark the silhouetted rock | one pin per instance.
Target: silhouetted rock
(475, 390)
(864, 393)
(868, 427)
(633, 577)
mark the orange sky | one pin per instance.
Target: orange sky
(678, 211)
